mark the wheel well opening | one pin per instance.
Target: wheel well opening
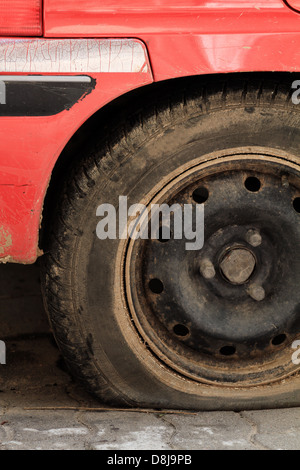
(128, 107)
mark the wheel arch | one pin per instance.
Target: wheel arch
(126, 105)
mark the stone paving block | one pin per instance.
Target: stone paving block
(213, 430)
(276, 429)
(45, 430)
(127, 431)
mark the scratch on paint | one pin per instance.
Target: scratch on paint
(5, 240)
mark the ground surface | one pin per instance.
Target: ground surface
(35, 378)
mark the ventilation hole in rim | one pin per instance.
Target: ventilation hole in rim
(181, 330)
(252, 184)
(296, 204)
(228, 350)
(279, 339)
(200, 195)
(156, 286)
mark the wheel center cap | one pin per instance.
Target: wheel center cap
(237, 265)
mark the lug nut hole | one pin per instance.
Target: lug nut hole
(228, 350)
(296, 204)
(252, 184)
(156, 286)
(200, 195)
(181, 330)
(279, 339)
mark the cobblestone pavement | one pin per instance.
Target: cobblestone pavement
(41, 408)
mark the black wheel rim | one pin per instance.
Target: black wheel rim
(228, 313)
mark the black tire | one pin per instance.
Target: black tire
(83, 277)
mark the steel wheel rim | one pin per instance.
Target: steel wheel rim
(225, 366)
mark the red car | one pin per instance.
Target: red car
(186, 102)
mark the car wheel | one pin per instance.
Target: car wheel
(148, 322)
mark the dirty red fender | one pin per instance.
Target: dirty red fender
(181, 38)
(30, 146)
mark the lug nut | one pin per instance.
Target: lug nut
(257, 292)
(207, 269)
(253, 237)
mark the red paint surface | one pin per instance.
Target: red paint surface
(29, 148)
(21, 18)
(183, 37)
(188, 37)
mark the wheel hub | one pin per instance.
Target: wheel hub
(237, 265)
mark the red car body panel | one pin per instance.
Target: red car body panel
(181, 37)
(29, 148)
(189, 37)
